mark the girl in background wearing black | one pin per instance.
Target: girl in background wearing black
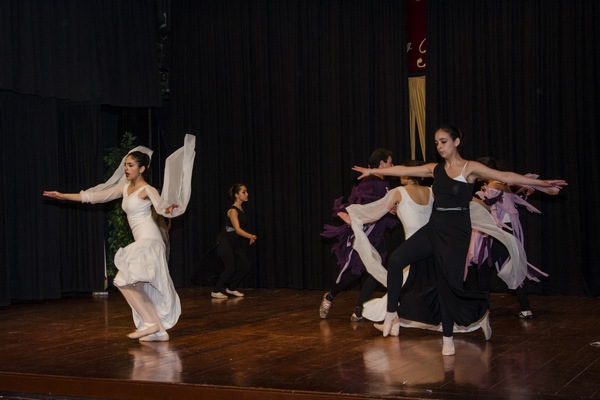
(232, 247)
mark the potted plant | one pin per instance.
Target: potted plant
(119, 234)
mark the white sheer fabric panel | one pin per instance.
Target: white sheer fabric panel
(177, 182)
(363, 214)
(113, 187)
(514, 271)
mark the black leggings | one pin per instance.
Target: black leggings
(368, 287)
(416, 248)
(455, 305)
(236, 262)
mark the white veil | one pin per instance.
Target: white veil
(177, 180)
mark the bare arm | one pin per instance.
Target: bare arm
(423, 171)
(477, 170)
(63, 196)
(233, 217)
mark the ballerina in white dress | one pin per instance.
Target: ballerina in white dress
(143, 274)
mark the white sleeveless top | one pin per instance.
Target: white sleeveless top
(412, 215)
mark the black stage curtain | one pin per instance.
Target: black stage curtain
(60, 61)
(49, 248)
(284, 96)
(4, 273)
(103, 51)
(521, 78)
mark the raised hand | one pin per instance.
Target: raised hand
(363, 171)
(170, 209)
(53, 194)
(344, 216)
(552, 186)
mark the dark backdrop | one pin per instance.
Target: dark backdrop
(521, 78)
(101, 51)
(61, 62)
(284, 96)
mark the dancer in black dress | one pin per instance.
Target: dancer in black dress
(447, 234)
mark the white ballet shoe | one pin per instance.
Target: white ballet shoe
(234, 293)
(148, 330)
(395, 331)
(156, 337)
(448, 346)
(391, 318)
(485, 326)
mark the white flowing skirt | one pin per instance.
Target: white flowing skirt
(144, 263)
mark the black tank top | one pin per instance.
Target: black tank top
(242, 219)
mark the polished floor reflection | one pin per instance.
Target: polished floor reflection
(273, 345)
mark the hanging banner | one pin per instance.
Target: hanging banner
(416, 11)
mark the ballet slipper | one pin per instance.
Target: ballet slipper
(391, 318)
(156, 337)
(395, 331)
(148, 330)
(448, 346)
(485, 326)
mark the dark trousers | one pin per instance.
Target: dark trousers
(236, 262)
(455, 305)
(368, 287)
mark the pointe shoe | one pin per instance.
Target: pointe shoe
(391, 318)
(218, 295)
(395, 331)
(234, 293)
(448, 346)
(148, 330)
(485, 326)
(156, 337)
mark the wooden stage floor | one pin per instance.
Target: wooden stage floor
(273, 345)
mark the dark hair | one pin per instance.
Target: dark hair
(490, 162)
(235, 189)
(454, 134)
(379, 155)
(142, 160)
(414, 163)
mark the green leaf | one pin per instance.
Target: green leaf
(119, 234)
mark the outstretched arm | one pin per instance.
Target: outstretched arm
(111, 192)
(549, 186)
(63, 196)
(423, 171)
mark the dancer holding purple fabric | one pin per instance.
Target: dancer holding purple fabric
(352, 269)
(503, 204)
